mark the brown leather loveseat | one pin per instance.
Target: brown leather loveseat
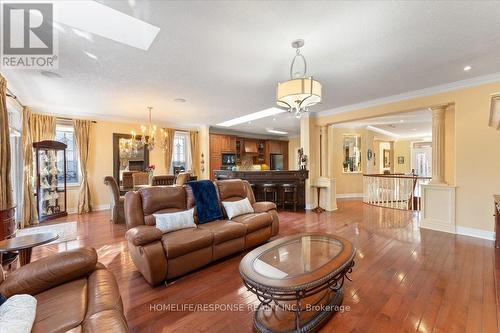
(74, 293)
(161, 256)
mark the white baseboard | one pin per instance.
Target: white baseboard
(437, 225)
(349, 195)
(478, 233)
(310, 206)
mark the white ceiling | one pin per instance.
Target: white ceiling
(225, 57)
(408, 125)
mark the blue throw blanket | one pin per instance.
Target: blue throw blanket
(207, 203)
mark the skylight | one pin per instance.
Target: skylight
(252, 116)
(96, 18)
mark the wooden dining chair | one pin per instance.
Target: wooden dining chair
(140, 178)
(163, 180)
(117, 202)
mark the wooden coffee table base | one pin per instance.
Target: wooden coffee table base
(25, 256)
(274, 319)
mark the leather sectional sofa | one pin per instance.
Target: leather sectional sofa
(74, 293)
(161, 256)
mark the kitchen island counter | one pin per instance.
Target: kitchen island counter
(297, 177)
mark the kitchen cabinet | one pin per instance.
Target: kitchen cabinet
(250, 146)
(259, 150)
(228, 144)
(215, 145)
(276, 147)
(219, 144)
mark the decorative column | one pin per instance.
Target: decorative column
(323, 151)
(438, 144)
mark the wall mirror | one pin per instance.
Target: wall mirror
(352, 154)
(127, 156)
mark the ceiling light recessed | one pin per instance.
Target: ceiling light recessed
(252, 116)
(467, 68)
(276, 131)
(90, 55)
(180, 100)
(50, 74)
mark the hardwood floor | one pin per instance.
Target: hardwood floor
(405, 279)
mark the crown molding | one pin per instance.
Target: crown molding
(475, 81)
(78, 114)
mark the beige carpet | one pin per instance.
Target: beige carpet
(67, 231)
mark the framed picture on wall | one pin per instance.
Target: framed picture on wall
(387, 158)
(401, 160)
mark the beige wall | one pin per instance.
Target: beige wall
(402, 148)
(472, 157)
(346, 182)
(293, 147)
(352, 183)
(101, 162)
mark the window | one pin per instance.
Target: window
(16, 158)
(180, 155)
(65, 133)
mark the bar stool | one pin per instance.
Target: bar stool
(254, 190)
(291, 189)
(270, 188)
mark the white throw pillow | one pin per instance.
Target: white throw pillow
(17, 314)
(175, 221)
(237, 208)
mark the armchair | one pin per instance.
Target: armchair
(73, 292)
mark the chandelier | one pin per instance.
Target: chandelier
(148, 137)
(300, 92)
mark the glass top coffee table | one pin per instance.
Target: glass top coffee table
(298, 280)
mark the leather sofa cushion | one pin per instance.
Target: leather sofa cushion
(264, 206)
(105, 321)
(49, 272)
(224, 230)
(143, 234)
(231, 190)
(103, 293)
(180, 242)
(61, 308)
(157, 198)
(254, 221)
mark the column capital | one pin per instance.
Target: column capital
(439, 108)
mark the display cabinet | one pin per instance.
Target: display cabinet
(50, 159)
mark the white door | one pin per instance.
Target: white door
(421, 161)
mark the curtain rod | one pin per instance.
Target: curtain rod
(14, 97)
(64, 118)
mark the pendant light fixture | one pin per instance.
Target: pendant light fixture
(300, 92)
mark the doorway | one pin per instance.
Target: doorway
(421, 159)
